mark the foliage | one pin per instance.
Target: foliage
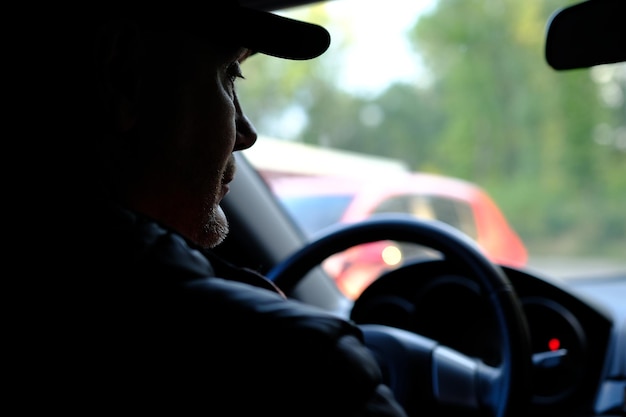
(549, 147)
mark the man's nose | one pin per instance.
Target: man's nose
(246, 132)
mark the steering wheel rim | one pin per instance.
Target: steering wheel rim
(513, 391)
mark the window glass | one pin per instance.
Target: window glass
(433, 91)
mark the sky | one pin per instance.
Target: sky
(393, 59)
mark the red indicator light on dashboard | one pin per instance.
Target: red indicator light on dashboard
(554, 344)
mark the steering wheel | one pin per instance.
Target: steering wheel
(419, 370)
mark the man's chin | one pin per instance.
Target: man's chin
(216, 228)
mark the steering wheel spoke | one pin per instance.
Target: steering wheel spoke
(421, 371)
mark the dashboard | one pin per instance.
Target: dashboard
(577, 331)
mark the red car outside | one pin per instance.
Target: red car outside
(317, 202)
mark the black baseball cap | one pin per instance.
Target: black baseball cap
(279, 36)
(230, 22)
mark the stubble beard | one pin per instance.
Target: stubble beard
(216, 227)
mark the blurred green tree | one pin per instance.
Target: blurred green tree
(550, 147)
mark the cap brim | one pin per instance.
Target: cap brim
(279, 36)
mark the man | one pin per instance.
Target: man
(141, 318)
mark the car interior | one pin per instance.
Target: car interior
(460, 333)
(524, 99)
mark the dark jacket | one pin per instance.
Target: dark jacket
(151, 325)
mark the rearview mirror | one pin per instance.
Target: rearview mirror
(586, 34)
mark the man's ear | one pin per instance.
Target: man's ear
(117, 66)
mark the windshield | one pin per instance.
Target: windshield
(458, 91)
